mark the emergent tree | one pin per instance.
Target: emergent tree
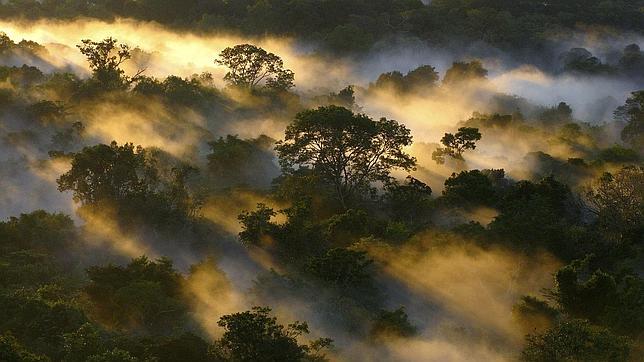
(105, 59)
(350, 151)
(456, 144)
(252, 67)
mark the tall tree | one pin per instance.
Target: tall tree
(632, 112)
(457, 144)
(350, 151)
(105, 58)
(618, 201)
(252, 67)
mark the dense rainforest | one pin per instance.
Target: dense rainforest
(321, 180)
(355, 25)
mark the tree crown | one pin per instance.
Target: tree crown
(348, 150)
(252, 67)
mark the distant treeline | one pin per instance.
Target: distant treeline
(349, 26)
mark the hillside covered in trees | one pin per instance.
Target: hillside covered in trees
(318, 180)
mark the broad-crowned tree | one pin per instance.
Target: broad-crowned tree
(349, 151)
(464, 71)
(256, 336)
(105, 58)
(475, 187)
(456, 144)
(109, 172)
(252, 67)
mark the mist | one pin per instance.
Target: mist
(457, 268)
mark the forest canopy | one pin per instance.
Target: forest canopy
(321, 180)
(351, 25)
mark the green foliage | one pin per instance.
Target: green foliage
(344, 98)
(39, 231)
(474, 187)
(618, 201)
(301, 236)
(348, 39)
(196, 92)
(348, 227)
(291, 241)
(146, 294)
(28, 268)
(24, 47)
(618, 154)
(12, 351)
(538, 215)
(348, 151)
(127, 181)
(111, 172)
(22, 77)
(87, 341)
(256, 224)
(180, 91)
(354, 25)
(457, 144)
(105, 58)
(562, 113)
(34, 251)
(342, 268)
(64, 85)
(615, 301)
(422, 78)
(495, 120)
(186, 347)
(304, 184)
(252, 67)
(544, 165)
(394, 80)
(394, 324)
(46, 111)
(115, 355)
(632, 61)
(534, 314)
(92, 343)
(337, 180)
(67, 139)
(256, 336)
(576, 340)
(234, 161)
(409, 202)
(39, 324)
(465, 71)
(580, 60)
(149, 86)
(632, 112)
